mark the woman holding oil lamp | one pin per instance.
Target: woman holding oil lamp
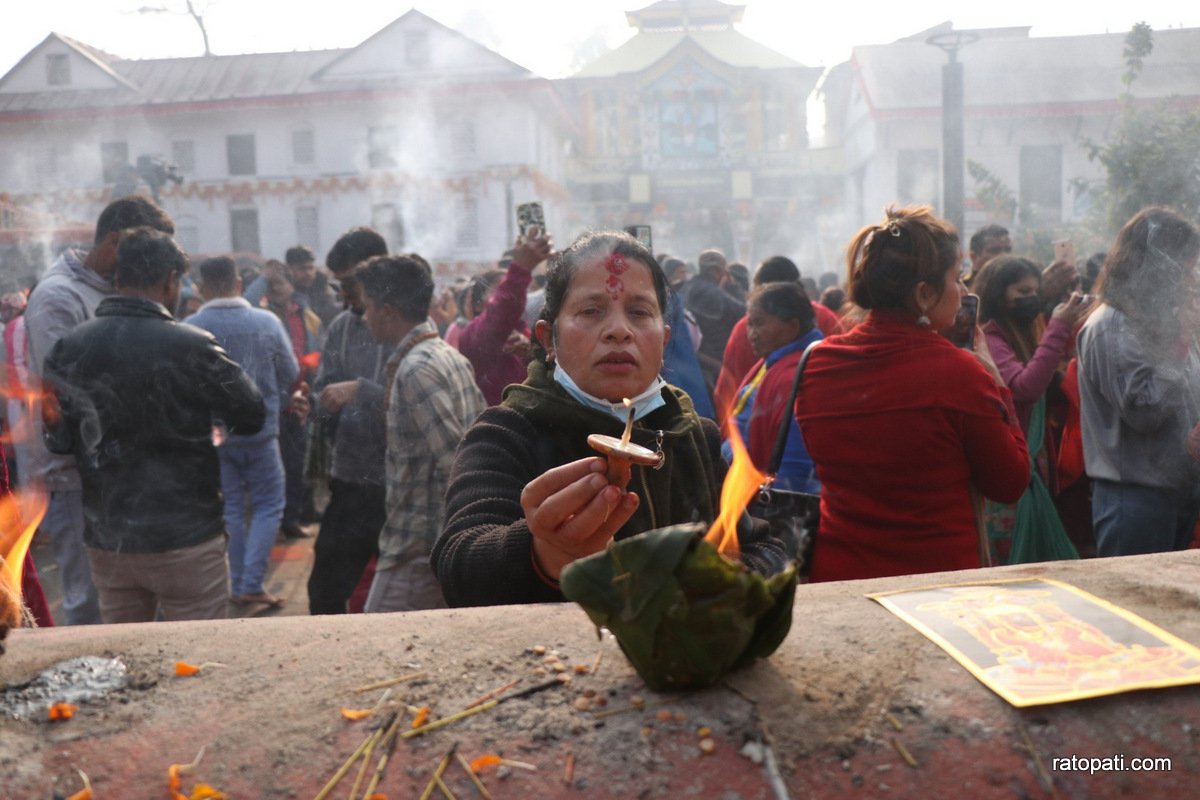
(527, 494)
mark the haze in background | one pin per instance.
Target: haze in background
(550, 37)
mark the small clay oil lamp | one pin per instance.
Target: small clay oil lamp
(683, 606)
(622, 453)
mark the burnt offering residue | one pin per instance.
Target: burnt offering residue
(75, 681)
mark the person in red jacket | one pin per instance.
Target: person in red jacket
(901, 424)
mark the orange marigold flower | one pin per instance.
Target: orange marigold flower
(62, 711)
(422, 715)
(485, 761)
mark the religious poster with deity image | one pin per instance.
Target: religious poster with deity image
(1039, 641)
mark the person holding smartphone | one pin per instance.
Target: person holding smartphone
(1026, 348)
(901, 424)
(1028, 352)
(1139, 387)
(494, 339)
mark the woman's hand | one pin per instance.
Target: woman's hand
(519, 345)
(532, 249)
(984, 356)
(1057, 280)
(1073, 310)
(573, 512)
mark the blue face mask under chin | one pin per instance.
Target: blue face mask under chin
(646, 402)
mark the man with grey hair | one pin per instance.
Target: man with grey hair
(716, 312)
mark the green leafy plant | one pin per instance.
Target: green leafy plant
(1153, 155)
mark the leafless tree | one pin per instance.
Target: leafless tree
(196, 9)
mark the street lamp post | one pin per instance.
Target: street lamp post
(953, 156)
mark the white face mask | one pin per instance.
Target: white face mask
(646, 402)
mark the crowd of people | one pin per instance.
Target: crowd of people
(187, 419)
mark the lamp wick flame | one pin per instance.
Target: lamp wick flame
(741, 484)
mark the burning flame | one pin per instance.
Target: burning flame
(29, 395)
(741, 484)
(20, 515)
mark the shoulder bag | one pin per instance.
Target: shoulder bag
(793, 516)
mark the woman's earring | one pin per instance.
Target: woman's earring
(923, 320)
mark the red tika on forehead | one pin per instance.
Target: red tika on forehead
(616, 264)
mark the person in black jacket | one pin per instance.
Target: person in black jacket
(135, 396)
(716, 312)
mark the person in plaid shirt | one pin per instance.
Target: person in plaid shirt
(432, 400)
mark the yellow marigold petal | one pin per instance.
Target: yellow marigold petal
(355, 714)
(202, 791)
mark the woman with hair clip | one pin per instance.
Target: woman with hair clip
(527, 494)
(901, 424)
(1027, 353)
(1139, 387)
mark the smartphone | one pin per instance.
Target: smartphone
(642, 234)
(530, 214)
(1064, 250)
(962, 332)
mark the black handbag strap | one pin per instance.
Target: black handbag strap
(788, 412)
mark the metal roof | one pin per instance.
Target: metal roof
(1022, 70)
(217, 78)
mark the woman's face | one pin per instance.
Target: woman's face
(768, 332)
(1026, 287)
(610, 334)
(942, 313)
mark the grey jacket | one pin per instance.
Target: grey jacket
(1136, 408)
(65, 297)
(360, 436)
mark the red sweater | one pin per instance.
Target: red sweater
(901, 424)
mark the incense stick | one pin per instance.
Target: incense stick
(484, 698)
(390, 682)
(474, 778)
(628, 434)
(437, 773)
(344, 768)
(366, 762)
(390, 736)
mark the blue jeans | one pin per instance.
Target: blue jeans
(1131, 520)
(64, 524)
(251, 472)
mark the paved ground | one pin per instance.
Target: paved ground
(287, 577)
